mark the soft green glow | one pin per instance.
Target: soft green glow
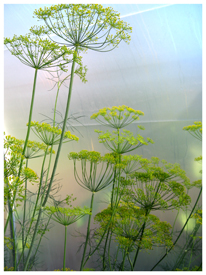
(182, 220)
(81, 221)
(196, 167)
(19, 244)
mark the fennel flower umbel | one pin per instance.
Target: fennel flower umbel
(86, 26)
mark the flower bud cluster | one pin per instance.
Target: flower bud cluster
(51, 135)
(117, 117)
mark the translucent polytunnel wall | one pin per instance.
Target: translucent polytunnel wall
(159, 73)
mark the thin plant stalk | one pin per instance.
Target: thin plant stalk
(54, 118)
(113, 212)
(138, 248)
(65, 247)
(52, 144)
(123, 261)
(131, 265)
(28, 132)
(36, 204)
(147, 211)
(42, 234)
(30, 118)
(55, 164)
(180, 231)
(116, 257)
(175, 221)
(23, 246)
(191, 254)
(24, 214)
(63, 130)
(88, 231)
(110, 239)
(105, 246)
(13, 233)
(12, 230)
(112, 198)
(188, 244)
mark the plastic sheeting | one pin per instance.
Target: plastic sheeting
(159, 73)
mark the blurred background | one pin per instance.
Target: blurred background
(159, 73)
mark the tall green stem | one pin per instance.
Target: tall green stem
(30, 118)
(63, 130)
(104, 256)
(88, 231)
(55, 164)
(13, 233)
(42, 234)
(193, 242)
(36, 204)
(140, 241)
(105, 248)
(113, 212)
(115, 260)
(113, 185)
(147, 211)
(123, 261)
(54, 118)
(110, 239)
(12, 229)
(65, 247)
(24, 215)
(27, 135)
(131, 265)
(52, 144)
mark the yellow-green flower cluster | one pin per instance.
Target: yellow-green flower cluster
(198, 158)
(8, 242)
(12, 158)
(13, 185)
(38, 53)
(117, 117)
(86, 155)
(195, 129)
(96, 170)
(34, 147)
(158, 187)
(81, 71)
(86, 26)
(127, 223)
(132, 163)
(8, 268)
(66, 216)
(92, 156)
(51, 135)
(29, 174)
(197, 183)
(123, 142)
(13, 146)
(198, 216)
